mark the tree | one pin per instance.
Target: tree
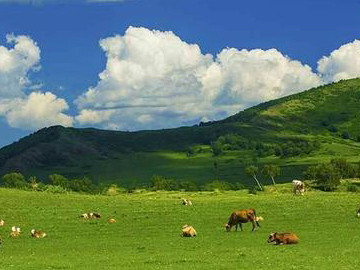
(271, 171)
(14, 180)
(327, 177)
(252, 171)
(58, 180)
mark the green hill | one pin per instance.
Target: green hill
(293, 132)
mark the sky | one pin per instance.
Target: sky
(153, 64)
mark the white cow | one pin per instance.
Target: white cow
(298, 187)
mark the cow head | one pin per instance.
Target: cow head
(228, 227)
(272, 237)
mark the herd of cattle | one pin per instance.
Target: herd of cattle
(237, 218)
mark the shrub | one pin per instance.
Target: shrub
(188, 186)
(352, 188)
(345, 135)
(332, 129)
(54, 189)
(327, 177)
(114, 190)
(14, 180)
(253, 190)
(217, 185)
(158, 182)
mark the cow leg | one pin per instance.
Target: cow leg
(257, 223)
(254, 226)
(236, 227)
(241, 228)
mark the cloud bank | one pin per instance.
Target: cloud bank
(37, 109)
(153, 79)
(163, 81)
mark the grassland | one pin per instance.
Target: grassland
(147, 235)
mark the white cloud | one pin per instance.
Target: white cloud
(153, 79)
(38, 110)
(343, 63)
(16, 63)
(35, 110)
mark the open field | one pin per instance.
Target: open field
(147, 234)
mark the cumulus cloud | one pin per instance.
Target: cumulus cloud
(35, 110)
(343, 63)
(163, 81)
(16, 63)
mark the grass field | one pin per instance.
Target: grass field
(147, 234)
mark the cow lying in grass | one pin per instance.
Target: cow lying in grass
(298, 187)
(37, 234)
(90, 215)
(243, 216)
(283, 238)
(188, 231)
(112, 220)
(186, 202)
(15, 232)
(2, 223)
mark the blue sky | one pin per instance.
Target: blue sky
(67, 34)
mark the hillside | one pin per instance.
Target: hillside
(328, 115)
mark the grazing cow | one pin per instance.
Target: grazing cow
(186, 202)
(243, 216)
(90, 215)
(298, 187)
(188, 231)
(2, 223)
(283, 238)
(37, 234)
(15, 232)
(112, 220)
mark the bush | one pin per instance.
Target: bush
(54, 189)
(217, 185)
(352, 188)
(253, 190)
(345, 135)
(158, 182)
(332, 129)
(14, 180)
(188, 186)
(114, 190)
(327, 177)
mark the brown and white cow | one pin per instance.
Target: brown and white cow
(186, 202)
(37, 234)
(188, 231)
(283, 238)
(298, 187)
(243, 216)
(15, 232)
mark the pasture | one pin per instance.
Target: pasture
(147, 232)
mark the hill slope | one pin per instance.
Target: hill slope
(325, 114)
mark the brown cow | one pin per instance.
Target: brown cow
(242, 216)
(283, 238)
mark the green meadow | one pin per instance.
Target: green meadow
(147, 232)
